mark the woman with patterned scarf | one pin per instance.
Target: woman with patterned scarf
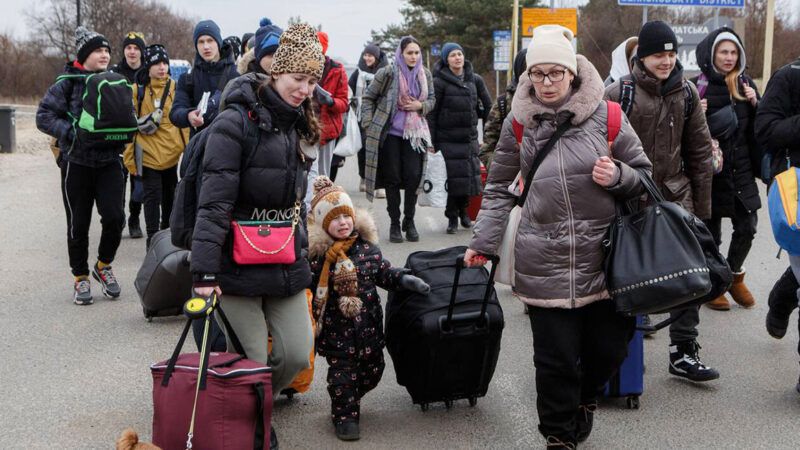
(393, 114)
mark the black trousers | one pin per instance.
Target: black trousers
(456, 204)
(81, 188)
(399, 167)
(362, 162)
(336, 161)
(575, 352)
(745, 225)
(159, 194)
(348, 381)
(134, 208)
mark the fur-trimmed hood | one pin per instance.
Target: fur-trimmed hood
(243, 66)
(582, 102)
(319, 240)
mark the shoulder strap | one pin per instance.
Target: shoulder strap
(165, 94)
(537, 161)
(518, 130)
(139, 98)
(614, 121)
(688, 101)
(501, 105)
(627, 93)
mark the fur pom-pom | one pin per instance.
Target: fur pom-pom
(322, 182)
(350, 306)
(264, 22)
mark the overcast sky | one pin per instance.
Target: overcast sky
(348, 22)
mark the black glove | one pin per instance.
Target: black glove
(412, 283)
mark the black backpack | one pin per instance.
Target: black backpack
(184, 209)
(107, 118)
(627, 93)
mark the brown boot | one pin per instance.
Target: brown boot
(740, 293)
(720, 303)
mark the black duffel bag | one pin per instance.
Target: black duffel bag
(661, 258)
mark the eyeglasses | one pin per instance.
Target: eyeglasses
(537, 76)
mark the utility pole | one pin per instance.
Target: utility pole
(514, 39)
(770, 31)
(78, 8)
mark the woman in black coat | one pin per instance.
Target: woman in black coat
(262, 181)
(461, 99)
(729, 99)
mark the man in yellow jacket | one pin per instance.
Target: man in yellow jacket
(153, 155)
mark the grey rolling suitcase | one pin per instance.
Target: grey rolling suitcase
(164, 281)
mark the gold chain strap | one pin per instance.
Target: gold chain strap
(295, 222)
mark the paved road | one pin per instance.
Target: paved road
(74, 377)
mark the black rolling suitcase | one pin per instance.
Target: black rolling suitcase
(445, 344)
(164, 282)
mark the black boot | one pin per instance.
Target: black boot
(584, 420)
(347, 431)
(411, 231)
(466, 222)
(134, 229)
(782, 301)
(395, 235)
(452, 225)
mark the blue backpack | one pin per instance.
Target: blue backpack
(783, 207)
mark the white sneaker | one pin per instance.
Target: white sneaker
(362, 187)
(380, 193)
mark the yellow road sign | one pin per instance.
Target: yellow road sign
(533, 17)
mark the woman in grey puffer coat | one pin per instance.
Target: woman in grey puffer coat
(579, 340)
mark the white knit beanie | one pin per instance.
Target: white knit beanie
(552, 44)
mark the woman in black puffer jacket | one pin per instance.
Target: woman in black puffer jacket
(262, 183)
(461, 99)
(729, 99)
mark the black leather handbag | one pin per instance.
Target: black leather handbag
(723, 123)
(654, 260)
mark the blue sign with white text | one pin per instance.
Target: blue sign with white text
(712, 3)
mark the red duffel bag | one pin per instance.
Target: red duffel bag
(474, 205)
(228, 408)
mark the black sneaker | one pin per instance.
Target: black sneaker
(584, 420)
(135, 230)
(83, 292)
(411, 230)
(273, 439)
(347, 431)
(684, 361)
(107, 280)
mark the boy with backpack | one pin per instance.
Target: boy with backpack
(132, 61)
(197, 99)
(778, 131)
(155, 152)
(664, 110)
(90, 145)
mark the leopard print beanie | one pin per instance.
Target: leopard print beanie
(299, 51)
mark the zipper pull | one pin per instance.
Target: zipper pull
(671, 121)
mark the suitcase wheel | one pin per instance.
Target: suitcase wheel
(147, 314)
(632, 401)
(473, 401)
(448, 404)
(424, 407)
(289, 393)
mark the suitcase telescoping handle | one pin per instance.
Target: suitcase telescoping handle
(487, 293)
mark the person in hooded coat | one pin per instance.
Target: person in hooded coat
(494, 124)
(372, 59)
(213, 67)
(461, 99)
(723, 87)
(622, 60)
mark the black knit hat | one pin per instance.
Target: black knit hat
(88, 41)
(656, 37)
(155, 54)
(134, 38)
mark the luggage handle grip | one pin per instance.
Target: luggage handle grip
(489, 286)
(474, 318)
